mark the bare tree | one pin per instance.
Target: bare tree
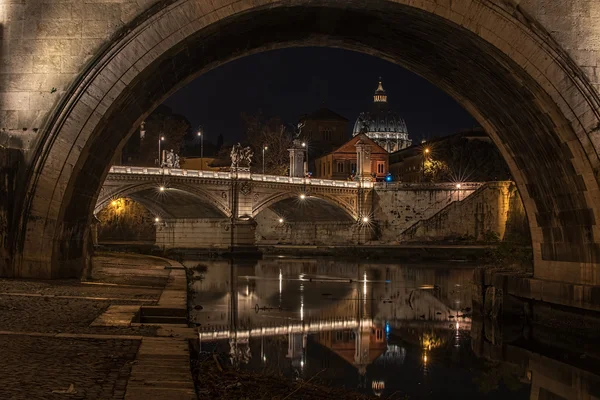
(270, 133)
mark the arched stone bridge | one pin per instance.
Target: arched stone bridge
(234, 195)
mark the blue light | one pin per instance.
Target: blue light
(387, 328)
(388, 178)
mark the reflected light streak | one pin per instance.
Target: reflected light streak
(315, 326)
(280, 281)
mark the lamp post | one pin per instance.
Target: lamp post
(425, 152)
(265, 148)
(201, 147)
(160, 139)
(305, 145)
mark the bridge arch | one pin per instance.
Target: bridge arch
(170, 189)
(538, 107)
(347, 209)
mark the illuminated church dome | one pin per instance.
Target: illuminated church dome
(383, 125)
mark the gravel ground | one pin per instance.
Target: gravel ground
(32, 367)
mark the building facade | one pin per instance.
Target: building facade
(382, 124)
(342, 162)
(323, 130)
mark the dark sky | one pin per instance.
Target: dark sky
(290, 82)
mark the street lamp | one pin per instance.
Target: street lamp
(425, 152)
(160, 139)
(305, 145)
(201, 136)
(265, 148)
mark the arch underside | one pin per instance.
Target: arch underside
(546, 147)
(313, 208)
(175, 202)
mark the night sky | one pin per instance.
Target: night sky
(290, 82)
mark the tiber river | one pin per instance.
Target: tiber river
(374, 327)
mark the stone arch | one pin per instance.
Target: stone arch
(330, 199)
(131, 189)
(538, 107)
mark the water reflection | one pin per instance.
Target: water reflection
(375, 327)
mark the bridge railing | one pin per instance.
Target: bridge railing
(304, 181)
(117, 169)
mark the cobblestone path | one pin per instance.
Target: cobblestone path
(34, 362)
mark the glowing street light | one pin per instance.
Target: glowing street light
(156, 219)
(365, 219)
(265, 148)
(458, 185)
(302, 196)
(160, 139)
(162, 188)
(281, 220)
(201, 136)
(113, 203)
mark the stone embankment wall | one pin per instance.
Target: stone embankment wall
(495, 211)
(309, 232)
(193, 233)
(396, 207)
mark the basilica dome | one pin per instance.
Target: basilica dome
(382, 124)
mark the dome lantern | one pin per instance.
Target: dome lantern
(380, 96)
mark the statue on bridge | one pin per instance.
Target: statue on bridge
(241, 158)
(171, 160)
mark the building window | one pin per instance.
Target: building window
(353, 166)
(327, 134)
(340, 167)
(380, 167)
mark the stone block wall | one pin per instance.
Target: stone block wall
(485, 211)
(44, 46)
(193, 233)
(397, 207)
(270, 231)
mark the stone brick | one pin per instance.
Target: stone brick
(95, 29)
(58, 29)
(46, 64)
(14, 100)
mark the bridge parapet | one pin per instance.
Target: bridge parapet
(239, 175)
(463, 186)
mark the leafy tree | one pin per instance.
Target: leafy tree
(436, 171)
(461, 159)
(272, 133)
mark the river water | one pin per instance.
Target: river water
(374, 327)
